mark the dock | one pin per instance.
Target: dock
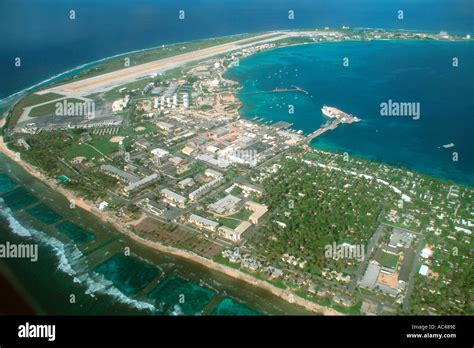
(324, 129)
(339, 118)
(280, 90)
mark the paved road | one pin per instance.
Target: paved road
(411, 281)
(362, 266)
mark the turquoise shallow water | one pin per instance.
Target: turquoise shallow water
(18, 198)
(229, 307)
(75, 232)
(179, 296)
(378, 71)
(128, 273)
(6, 183)
(44, 214)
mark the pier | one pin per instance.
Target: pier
(323, 129)
(338, 117)
(280, 90)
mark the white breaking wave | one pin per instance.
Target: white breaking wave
(14, 224)
(66, 253)
(177, 310)
(72, 262)
(97, 283)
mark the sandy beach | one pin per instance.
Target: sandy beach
(79, 202)
(284, 294)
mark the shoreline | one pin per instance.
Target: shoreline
(231, 272)
(50, 81)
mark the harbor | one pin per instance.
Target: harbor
(338, 116)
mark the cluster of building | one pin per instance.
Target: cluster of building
(228, 205)
(389, 271)
(204, 189)
(121, 104)
(171, 102)
(132, 181)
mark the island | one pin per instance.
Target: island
(153, 143)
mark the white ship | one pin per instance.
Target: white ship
(333, 112)
(330, 111)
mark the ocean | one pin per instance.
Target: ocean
(402, 71)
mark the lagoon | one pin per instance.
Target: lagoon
(378, 71)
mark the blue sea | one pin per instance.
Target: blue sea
(378, 71)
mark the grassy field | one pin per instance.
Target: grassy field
(389, 260)
(243, 214)
(234, 220)
(102, 144)
(80, 150)
(34, 99)
(130, 131)
(29, 100)
(229, 222)
(50, 108)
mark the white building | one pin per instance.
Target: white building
(203, 222)
(135, 186)
(213, 173)
(225, 205)
(258, 211)
(234, 234)
(120, 104)
(424, 270)
(159, 153)
(103, 205)
(202, 190)
(173, 198)
(186, 182)
(185, 100)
